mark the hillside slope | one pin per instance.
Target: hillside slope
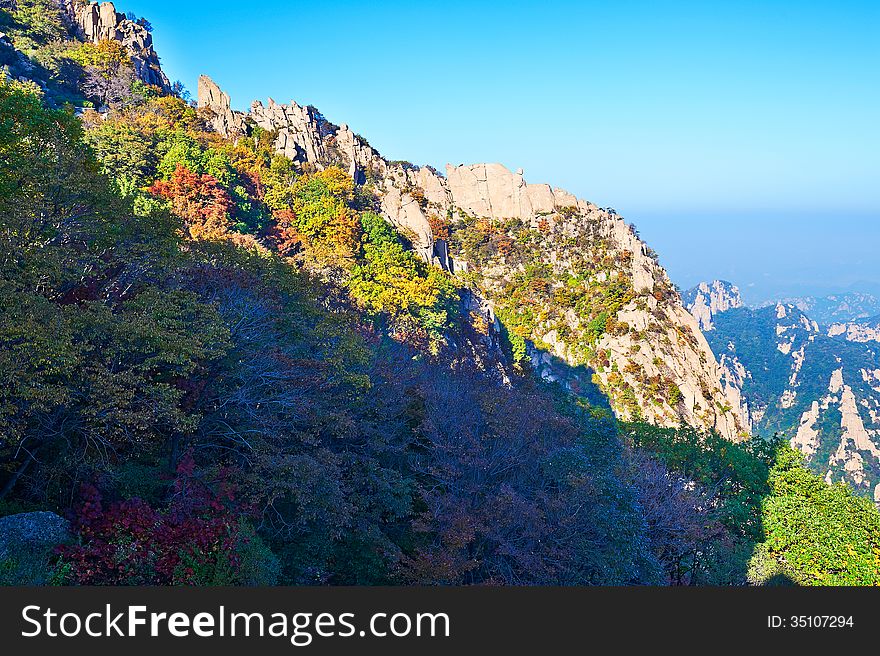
(572, 288)
(235, 354)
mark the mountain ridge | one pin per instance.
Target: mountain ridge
(612, 312)
(421, 203)
(209, 342)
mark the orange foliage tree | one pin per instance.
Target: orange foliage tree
(283, 236)
(199, 200)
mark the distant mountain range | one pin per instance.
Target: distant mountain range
(837, 308)
(817, 382)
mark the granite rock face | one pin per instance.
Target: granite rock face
(860, 330)
(101, 21)
(224, 120)
(708, 299)
(491, 190)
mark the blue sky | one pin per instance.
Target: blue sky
(743, 139)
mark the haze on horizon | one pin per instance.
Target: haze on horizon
(742, 140)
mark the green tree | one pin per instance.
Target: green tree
(323, 215)
(816, 534)
(108, 70)
(419, 299)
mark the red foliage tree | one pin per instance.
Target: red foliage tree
(440, 228)
(283, 236)
(199, 200)
(131, 543)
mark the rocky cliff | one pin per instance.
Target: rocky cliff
(860, 330)
(597, 300)
(100, 21)
(708, 299)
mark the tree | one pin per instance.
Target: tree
(126, 154)
(816, 534)
(97, 360)
(199, 200)
(50, 193)
(420, 300)
(199, 540)
(714, 493)
(323, 214)
(108, 70)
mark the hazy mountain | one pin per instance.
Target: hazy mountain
(708, 299)
(837, 308)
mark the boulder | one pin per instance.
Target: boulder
(33, 530)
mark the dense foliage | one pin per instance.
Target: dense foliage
(731, 478)
(816, 534)
(196, 541)
(778, 522)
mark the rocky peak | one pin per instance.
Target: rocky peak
(211, 98)
(493, 191)
(709, 299)
(100, 21)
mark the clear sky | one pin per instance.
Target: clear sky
(742, 138)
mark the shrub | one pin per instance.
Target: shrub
(196, 541)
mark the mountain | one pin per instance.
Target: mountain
(574, 288)
(708, 299)
(578, 294)
(819, 389)
(837, 308)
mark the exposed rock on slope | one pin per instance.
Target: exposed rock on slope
(600, 300)
(862, 330)
(225, 121)
(100, 21)
(708, 299)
